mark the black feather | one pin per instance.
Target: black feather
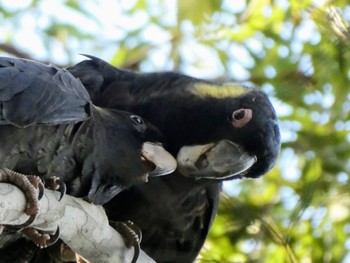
(175, 213)
(49, 127)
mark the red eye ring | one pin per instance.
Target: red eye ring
(241, 117)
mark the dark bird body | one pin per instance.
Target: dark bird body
(49, 127)
(217, 132)
(80, 154)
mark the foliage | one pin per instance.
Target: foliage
(296, 51)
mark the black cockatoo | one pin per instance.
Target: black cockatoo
(217, 131)
(49, 127)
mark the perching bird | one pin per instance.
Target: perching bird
(49, 127)
(217, 131)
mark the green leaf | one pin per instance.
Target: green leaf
(197, 11)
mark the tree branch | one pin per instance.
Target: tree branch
(83, 226)
(14, 51)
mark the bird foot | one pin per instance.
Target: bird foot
(80, 259)
(131, 234)
(41, 238)
(32, 188)
(66, 254)
(55, 183)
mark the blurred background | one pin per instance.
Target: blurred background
(296, 51)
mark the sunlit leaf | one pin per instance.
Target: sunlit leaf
(197, 11)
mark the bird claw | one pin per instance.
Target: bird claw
(29, 185)
(131, 234)
(37, 183)
(41, 238)
(55, 183)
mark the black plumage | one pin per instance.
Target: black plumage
(49, 127)
(217, 131)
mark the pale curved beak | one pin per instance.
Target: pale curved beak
(161, 162)
(221, 160)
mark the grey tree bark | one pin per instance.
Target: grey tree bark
(83, 226)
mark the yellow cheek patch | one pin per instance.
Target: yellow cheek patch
(228, 90)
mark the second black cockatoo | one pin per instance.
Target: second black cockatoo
(50, 127)
(217, 131)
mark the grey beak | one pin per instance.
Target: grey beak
(164, 163)
(222, 160)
